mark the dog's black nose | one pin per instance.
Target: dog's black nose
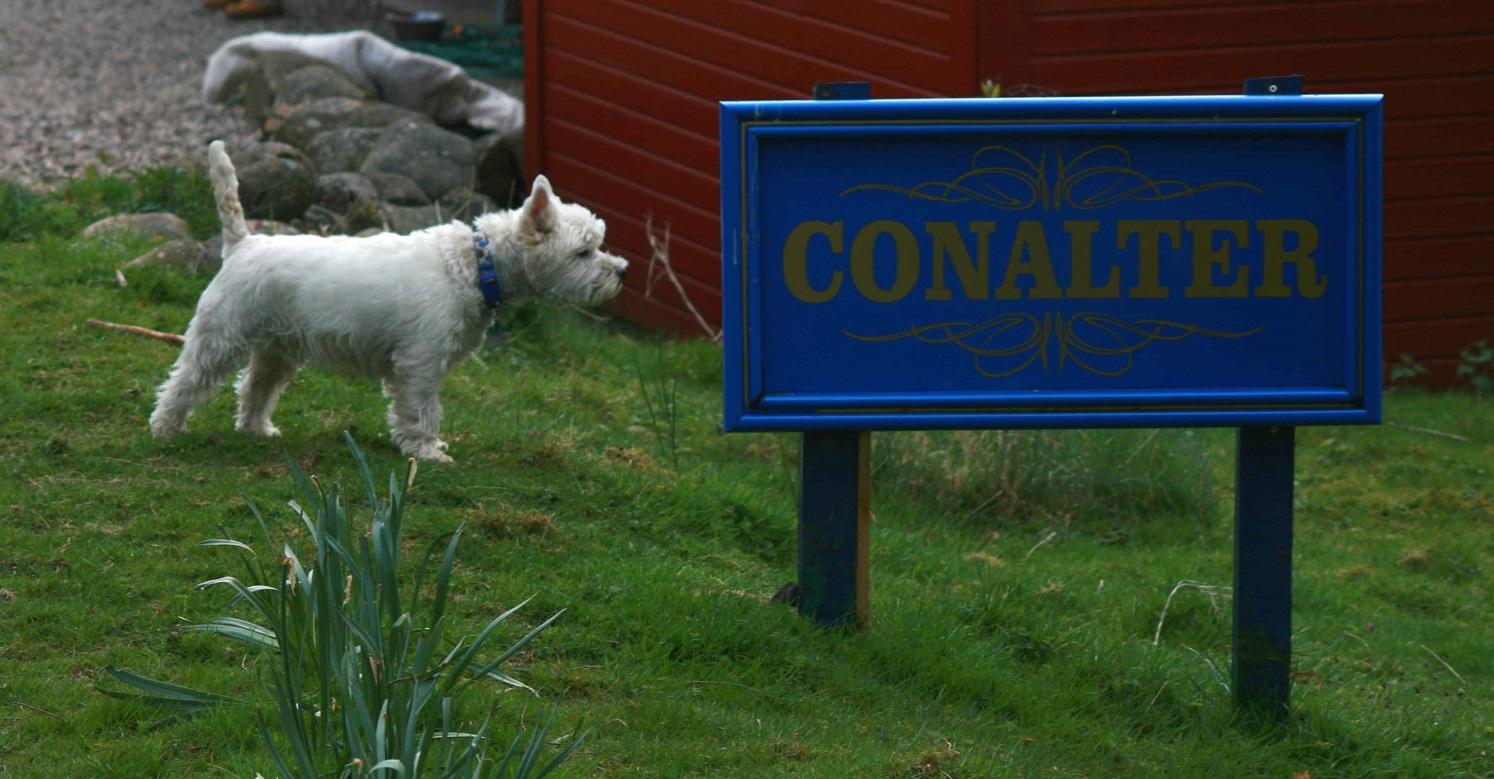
(622, 273)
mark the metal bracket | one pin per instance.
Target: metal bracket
(843, 90)
(1274, 85)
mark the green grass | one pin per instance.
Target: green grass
(1017, 578)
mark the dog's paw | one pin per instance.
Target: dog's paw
(161, 428)
(430, 452)
(265, 430)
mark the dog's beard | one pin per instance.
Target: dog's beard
(582, 284)
(594, 289)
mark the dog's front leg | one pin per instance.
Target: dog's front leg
(415, 411)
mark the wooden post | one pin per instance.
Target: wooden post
(835, 527)
(1262, 640)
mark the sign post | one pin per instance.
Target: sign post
(834, 572)
(1262, 629)
(1053, 263)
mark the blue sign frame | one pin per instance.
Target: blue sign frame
(1051, 262)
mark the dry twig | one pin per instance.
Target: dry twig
(1052, 534)
(659, 259)
(1208, 590)
(1444, 664)
(171, 338)
(1430, 431)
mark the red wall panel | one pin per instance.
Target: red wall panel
(1432, 59)
(621, 101)
(622, 108)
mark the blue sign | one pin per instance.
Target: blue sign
(1051, 262)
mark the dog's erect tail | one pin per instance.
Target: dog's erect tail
(226, 193)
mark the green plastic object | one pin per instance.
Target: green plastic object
(484, 51)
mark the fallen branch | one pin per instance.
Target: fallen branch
(172, 338)
(660, 259)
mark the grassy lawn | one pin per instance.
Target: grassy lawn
(1017, 578)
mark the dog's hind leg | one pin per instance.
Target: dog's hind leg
(415, 413)
(206, 360)
(259, 388)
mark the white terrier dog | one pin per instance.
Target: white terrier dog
(401, 308)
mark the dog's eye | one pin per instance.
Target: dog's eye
(583, 254)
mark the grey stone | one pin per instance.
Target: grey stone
(212, 248)
(362, 215)
(359, 215)
(323, 218)
(342, 149)
(340, 191)
(332, 113)
(184, 254)
(397, 189)
(408, 219)
(156, 227)
(500, 171)
(259, 85)
(317, 81)
(270, 227)
(212, 255)
(436, 159)
(275, 180)
(464, 204)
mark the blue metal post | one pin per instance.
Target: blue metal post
(1262, 639)
(835, 497)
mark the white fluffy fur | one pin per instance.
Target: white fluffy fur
(401, 308)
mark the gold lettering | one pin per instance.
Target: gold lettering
(1273, 244)
(1081, 264)
(1029, 257)
(796, 260)
(975, 276)
(1207, 257)
(863, 261)
(1148, 234)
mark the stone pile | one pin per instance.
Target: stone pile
(336, 159)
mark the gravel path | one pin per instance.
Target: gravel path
(117, 83)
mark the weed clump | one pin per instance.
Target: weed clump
(360, 679)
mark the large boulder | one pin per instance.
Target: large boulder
(408, 219)
(500, 173)
(397, 189)
(256, 86)
(155, 227)
(331, 113)
(339, 192)
(348, 202)
(463, 204)
(437, 160)
(183, 254)
(276, 181)
(317, 81)
(342, 149)
(212, 248)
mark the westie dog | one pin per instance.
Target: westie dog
(401, 308)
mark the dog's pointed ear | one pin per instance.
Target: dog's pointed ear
(539, 209)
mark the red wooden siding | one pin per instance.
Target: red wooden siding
(1432, 59)
(622, 109)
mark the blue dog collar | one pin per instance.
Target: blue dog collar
(487, 269)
